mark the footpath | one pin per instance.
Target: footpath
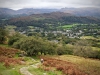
(24, 70)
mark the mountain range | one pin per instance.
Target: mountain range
(49, 17)
(89, 11)
(6, 13)
(9, 13)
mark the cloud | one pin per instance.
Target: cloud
(16, 4)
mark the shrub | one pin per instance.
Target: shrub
(83, 48)
(14, 38)
(60, 50)
(34, 46)
(63, 49)
(3, 35)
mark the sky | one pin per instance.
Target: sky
(19, 4)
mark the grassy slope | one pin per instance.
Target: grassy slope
(9, 71)
(90, 66)
(14, 69)
(38, 71)
(86, 65)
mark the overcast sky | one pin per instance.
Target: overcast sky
(18, 4)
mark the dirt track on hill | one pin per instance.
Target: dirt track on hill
(24, 70)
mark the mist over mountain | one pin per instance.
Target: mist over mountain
(86, 11)
(6, 13)
(9, 13)
(29, 11)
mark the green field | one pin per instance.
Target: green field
(67, 26)
(9, 71)
(87, 37)
(31, 27)
(10, 27)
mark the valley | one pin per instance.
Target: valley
(67, 39)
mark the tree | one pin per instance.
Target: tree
(60, 50)
(34, 46)
(14, 38)
(83, 48)
(3, 35)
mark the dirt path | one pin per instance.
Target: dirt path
(24, 70)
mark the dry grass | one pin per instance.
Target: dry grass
(7, 56)
(8, 52)
(66, 67)
(90, 66)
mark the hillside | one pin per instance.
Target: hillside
(53, 19)
(52, 65)
(70, 56)
(85, 66)
(44, 16)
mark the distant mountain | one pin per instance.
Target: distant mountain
(52, 15)
(6, 13)
(88, 11)
(30, 11)
(53, 19)
(9, 13)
